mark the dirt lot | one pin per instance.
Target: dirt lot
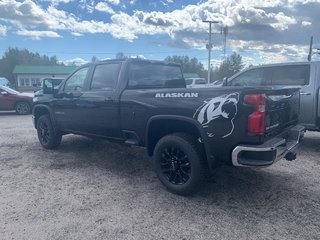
(97, 190)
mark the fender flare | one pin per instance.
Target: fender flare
(38, 106)
(209, 155)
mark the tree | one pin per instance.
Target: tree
(94, 59)
(188, 65)
(230, 66)
(120, 55)
(15, 56)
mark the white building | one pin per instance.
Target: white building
(28, 75)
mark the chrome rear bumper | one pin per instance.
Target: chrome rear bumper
(282, 146)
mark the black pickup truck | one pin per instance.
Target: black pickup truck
(187, 131)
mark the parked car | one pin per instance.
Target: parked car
(13, 100)
(187, 131)
(305, 75)
(196, 82)
(4, 82)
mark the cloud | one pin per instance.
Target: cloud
(139, 56)
(74, 62)
(3, 31)
(57, 2)
(306, 23)
(114, 2)
(76, 34)
(37, 35)
(253, 25)
(103, 7)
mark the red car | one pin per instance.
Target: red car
(13, 100)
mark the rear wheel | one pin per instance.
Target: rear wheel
(179, 163)
(48, 138)
(23, 108)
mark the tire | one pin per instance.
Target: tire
(22, 108)
(179, 163)
(48, 138)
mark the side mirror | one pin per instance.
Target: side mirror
(4, 93)
(225, 81)
(48, 86)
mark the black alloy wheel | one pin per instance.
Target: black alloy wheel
(180, 163)
(175, 165)
(44, 132)
(48, 137)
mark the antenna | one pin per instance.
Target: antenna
(310, 49)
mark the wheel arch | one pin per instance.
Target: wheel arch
(40, 110)
(161, 125)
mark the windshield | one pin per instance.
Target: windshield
(9, 90)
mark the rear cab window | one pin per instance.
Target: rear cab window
(294, 75)
(155, 75)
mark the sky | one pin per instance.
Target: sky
(262, 31)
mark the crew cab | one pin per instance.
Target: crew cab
(187, 131)
(13, 100)
(305, 75)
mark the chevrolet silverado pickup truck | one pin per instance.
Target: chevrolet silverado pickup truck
(305, 75)
(187, 131)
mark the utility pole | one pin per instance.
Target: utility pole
(209, 47)
(224, 33)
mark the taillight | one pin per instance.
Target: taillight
(256, 120)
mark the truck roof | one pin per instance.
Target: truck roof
(137, 60)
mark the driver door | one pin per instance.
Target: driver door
(67, 113)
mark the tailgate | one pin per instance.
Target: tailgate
(282, 110)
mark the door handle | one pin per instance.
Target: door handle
(108, 99)
(305, 93)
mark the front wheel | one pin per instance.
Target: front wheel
(48, 138)
(179, 163)
(23, 108)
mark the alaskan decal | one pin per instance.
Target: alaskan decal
(216, 115)
(177, 95)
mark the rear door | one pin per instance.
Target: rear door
(98, 106)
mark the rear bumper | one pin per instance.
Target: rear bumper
(282, 146)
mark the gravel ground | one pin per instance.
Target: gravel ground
(98, 190)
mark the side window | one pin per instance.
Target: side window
(155, 75)
(105, 76)
(291, 75)
(253, 77)
(76, 81)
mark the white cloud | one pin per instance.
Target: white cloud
(37, 35)
(306, 23)
(75, 61)
(77, 34)
(140, 56)
(103, 7)
(57, 2)
(3, 31)
(253, 25)
(114, 2)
